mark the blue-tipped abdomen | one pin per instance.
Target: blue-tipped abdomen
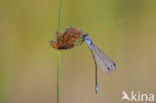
(96, 89)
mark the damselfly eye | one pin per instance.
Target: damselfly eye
(85, 35)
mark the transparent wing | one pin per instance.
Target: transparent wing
(103, 62)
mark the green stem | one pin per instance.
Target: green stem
(58, 54)
(59, 20)
(58, 75)
(109, 26)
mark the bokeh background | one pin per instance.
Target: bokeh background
(28, 65)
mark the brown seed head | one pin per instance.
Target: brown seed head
(67, 40)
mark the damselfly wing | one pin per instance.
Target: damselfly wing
(103, 62)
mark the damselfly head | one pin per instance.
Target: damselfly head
(67, 40)
(85, 35)
(81, 39)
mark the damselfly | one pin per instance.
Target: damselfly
(101, 60)
(72, 37)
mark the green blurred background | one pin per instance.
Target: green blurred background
(28, 65)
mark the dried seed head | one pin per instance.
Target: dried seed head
(67, 40)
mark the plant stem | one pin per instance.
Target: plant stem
(58, 75)
(109, 26)
(59, 20)
(58, 54)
